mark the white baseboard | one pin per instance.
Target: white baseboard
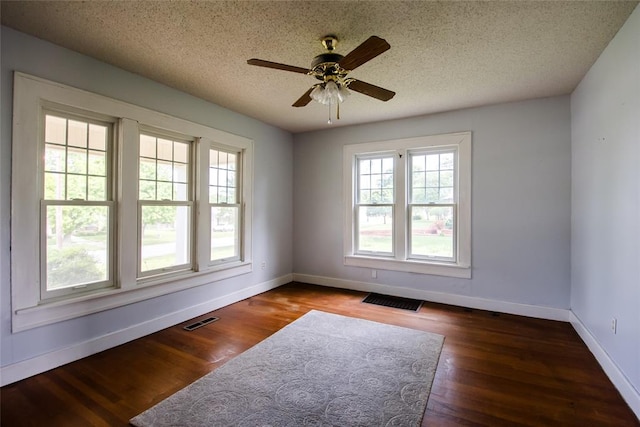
(619, 380)
(24, 369)
(539, 312)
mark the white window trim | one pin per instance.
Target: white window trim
(28, 311)
(462, 267)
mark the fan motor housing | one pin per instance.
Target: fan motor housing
(327, 59)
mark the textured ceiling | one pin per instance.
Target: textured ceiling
(443, 56)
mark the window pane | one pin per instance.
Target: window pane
(181, 152)
(446, 178)
(432, 179)
(433, 162)
(418, 163)
(77, 134)
(364, 166)
(54, 158)
(446, 194)
(76, 187)
(77, 245)
(76, 161)
(446, 161)
(165, 191)
(419, 195)
(147, 169)
(432, 195)
(232, 161)
(165, 237)
(376, 166)
(165, 149)
(55, 130)
(97, 137)
(147, 190)
(54, 184)
(164, 171)
(97, 188)
(180, 192)
(179, 172)
(432, 231)
(97, 163)
(222, 178)
(222, 195)
(147, 146)
(224, 232)
(375, 229)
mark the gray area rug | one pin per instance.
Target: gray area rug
(321, 370)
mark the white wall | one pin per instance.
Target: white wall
(605, 273)
(520, 203)
(272, 216)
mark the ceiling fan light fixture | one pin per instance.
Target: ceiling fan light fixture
(329, 93)
(343, 92)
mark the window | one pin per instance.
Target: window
(165, 203)
(374, 211)
(224, 205)
(407, 205)
(113, 203)
(77, 205)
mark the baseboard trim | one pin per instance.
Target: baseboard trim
(39, 364)
(539, 312)
(619, 380)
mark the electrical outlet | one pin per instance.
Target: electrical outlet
(263, 265)
(614, 325)
(374, 274)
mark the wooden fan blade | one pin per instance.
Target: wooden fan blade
(368, 50)
(277, 66)
(371, 90)
(304, 99)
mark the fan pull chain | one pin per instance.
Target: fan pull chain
(338, 112)
(329, 121)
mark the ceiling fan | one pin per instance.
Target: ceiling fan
(332, 70)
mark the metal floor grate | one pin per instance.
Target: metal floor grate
(200, 323)
(395, 302)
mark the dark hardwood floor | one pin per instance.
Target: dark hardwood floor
(494, 370)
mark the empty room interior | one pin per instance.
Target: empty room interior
(246, 167)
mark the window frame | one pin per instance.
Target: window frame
(453, 205)
(31, 96)
(68, 113)
(189, 202)
(401, 261)
(358, 203)
(238, 203)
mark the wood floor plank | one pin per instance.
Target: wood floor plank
(494, 370)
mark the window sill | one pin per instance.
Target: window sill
(433, 268)
(56, 311)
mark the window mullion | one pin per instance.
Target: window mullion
(127, 174)
(400, 207)
(203, 216)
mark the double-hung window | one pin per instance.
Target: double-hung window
(165, 224)
(407, 205)
(77, 207)
(113, 203)
(224, 204)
